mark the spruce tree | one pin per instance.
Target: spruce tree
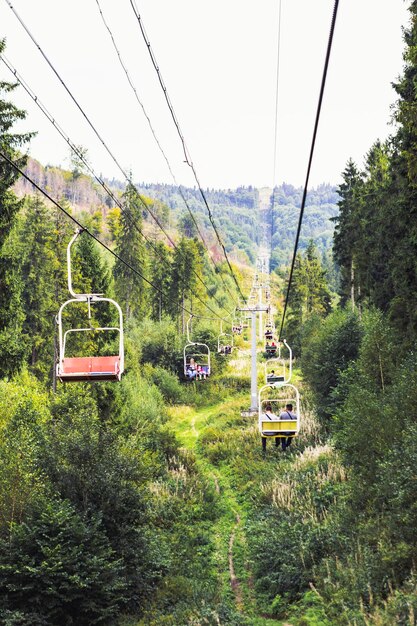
(345, 234)
(12, 349)
(129, 287)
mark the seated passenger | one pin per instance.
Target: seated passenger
(190, 371)
(287, 414)
(269, 415)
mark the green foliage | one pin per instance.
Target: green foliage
(12, 350)
(60, 568)
(168, 384)
(283, 216)
(309, 296)
(130, 287)
(330, 349)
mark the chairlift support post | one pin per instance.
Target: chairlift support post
(254, 372)
(261, 326)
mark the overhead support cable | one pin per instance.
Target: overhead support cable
(276, 119)
(186, 152)
(79, 154)
(139, 101)
(99, 179)
(101, 243)
(310, 160)
(89, 122)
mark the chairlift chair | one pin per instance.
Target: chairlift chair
(196, 355)
(88, 368)
(278, 396)
(196, 358)
(279, 369)
(225, 341)
(270, 349)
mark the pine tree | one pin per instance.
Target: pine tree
(10, 145)
(310, 294)
(160, 261)
(401, 215)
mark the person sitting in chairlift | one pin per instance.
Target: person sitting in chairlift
(269, 415)
(190, 372)
(287, 414)
(271, 374)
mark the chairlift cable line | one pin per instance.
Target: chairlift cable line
(119, 166)
(66, 138)
(313, 143)
(135, 91)
(276, 118)
(187, 156)
(122, 170)
(89, 122)
(117, 256)
(139, 101)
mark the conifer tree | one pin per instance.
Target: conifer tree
(10, 145)
(12, 349)
(129, 287)
(345, 235)
(310, 294)
(184, 285)
(160, 260)
(38, 267)
(401, 215)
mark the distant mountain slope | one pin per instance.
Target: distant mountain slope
(244, 215)
(321, 206)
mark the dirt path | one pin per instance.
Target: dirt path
(234, 582)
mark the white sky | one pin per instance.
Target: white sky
(218, 60)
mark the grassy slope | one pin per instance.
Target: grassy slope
(228, 532)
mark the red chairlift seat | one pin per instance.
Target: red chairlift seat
(90, 368)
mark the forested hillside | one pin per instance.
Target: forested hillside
(150, 498)
(243, 219)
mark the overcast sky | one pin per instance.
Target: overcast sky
(218, 60)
